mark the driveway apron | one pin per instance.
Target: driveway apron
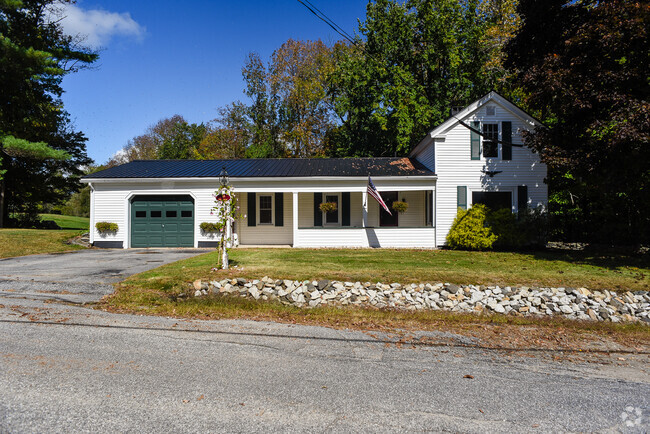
(80, 277)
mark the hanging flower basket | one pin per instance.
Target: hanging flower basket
(328, 207)
(400, 207)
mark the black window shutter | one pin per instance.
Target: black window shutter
(251, 209)
(345, 208)
(475, 141)
(506, 147)
(522, 198)
(318, 215)
(461, 197)
(279, 209)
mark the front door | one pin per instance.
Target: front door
(386, 219)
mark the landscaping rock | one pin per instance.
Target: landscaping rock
(580, 303)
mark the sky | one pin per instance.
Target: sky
(160, 58)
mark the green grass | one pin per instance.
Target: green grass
(68, 222)
(20, 242)
(157, 292)
(544, 268)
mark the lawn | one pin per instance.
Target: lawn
(68, 222)
(157, 291)
(20, 242)
(545, 268)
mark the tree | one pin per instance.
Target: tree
(262, 111)
(418, 59)
(169, 138)
(585, 66)
(291, 110)
(227, 136)
(298, 74)
(41, 153)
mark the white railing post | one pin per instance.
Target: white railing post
(364, 204)
(295, 219)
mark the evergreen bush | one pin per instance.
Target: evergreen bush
(470, 231)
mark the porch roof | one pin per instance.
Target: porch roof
(266, 168)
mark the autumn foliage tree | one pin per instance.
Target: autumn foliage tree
(170, 138)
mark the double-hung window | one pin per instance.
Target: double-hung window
(266, 209)
(491, 140)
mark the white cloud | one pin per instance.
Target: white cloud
(96, 26)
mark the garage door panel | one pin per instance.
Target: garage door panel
(162, 221)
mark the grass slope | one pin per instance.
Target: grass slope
(68, 222)
(157, 291)
(20, 242)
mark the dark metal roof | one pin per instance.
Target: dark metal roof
(267, 167)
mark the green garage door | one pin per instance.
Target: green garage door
(162, 221)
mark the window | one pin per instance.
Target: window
(186, 213)
(490, 110)
(490, 140)
(140, 214)
(428, 208)
(493, 199)
(266, 210)
(170, 214)
(332, 217)
(156, 214)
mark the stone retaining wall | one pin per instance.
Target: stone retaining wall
(574, 303)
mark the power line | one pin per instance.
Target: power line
(327, 20)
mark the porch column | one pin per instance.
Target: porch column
(295, 219)
(364, 204)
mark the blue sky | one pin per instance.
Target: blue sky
(162, 58)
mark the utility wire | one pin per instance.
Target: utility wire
(346, 34)
(324, 18)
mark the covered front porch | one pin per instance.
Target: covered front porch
(291, 215)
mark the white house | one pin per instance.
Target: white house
(475, 156)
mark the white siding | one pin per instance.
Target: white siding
(455, 168)
(427, 157)
(109, 206)
(368, 237)
(266, 234)
(111, 203)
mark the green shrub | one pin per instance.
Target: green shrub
(106, 227)
(470, 231)
(207, 227)
(509, 231)
(536, 226)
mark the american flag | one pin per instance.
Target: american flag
(372, 191)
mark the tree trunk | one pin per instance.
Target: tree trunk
(2, 203)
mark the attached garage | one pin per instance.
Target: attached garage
(162, 221)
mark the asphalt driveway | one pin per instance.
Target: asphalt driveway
(82, 276)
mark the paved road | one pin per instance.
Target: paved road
(82, 276)
(67, 368)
